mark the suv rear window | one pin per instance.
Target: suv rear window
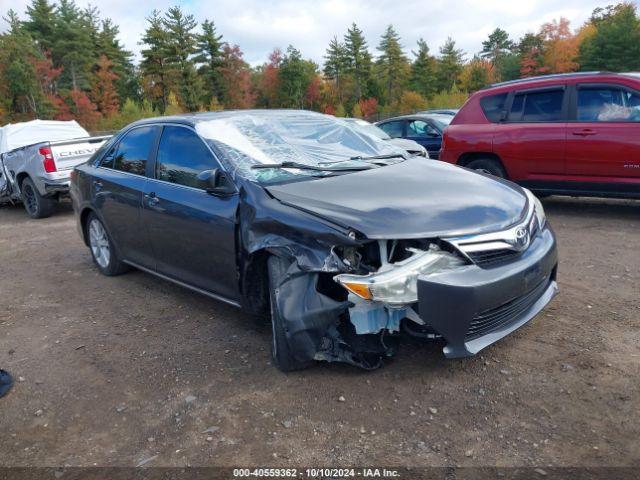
(493, 106)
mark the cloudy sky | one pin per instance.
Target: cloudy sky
(259, 25)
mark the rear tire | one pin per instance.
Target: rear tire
(488, 166)
(102, 249)
(280, 350)
(35, 204)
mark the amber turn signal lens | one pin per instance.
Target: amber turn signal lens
(359, 289)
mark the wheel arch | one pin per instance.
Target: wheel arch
(84, 216)
(254, 283)
(20, 177)
(466, 158)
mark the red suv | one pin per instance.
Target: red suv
(567, 134)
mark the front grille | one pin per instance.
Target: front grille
(492, 319)
(489, 258)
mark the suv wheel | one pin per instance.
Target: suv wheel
(104, 254)
(35, 204)
(280, 349)
(487, 166)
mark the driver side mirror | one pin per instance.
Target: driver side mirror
(215, 182)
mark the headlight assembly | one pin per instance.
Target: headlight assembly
(538, 208)
(397, 283)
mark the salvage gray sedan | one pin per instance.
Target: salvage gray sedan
(343, 240)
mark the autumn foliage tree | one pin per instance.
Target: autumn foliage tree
(237, 89)
(560, 46)
(104, 93)
(83, 109)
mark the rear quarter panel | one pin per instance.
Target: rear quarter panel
(469, 131)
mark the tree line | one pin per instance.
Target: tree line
(63, 62)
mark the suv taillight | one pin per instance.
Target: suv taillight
(47, 160)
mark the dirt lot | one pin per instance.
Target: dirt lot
(126, 370)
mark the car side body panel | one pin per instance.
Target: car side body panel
(570, 156)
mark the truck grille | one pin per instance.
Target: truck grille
(492, 319)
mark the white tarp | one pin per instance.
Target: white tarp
(27, 133)
(251, 137)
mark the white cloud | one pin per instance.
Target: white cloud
(260, 25)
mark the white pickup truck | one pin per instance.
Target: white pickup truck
(36, 161)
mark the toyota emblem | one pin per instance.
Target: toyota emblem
(521, 239)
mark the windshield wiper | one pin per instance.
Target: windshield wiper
(302, 166)
(379, 157)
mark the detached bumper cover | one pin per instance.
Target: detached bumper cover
(474, 307)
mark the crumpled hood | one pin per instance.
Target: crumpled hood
(416, 198)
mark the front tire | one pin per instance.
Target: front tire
(35, 204)
(102, 250)
(488, 166)
(281, 352)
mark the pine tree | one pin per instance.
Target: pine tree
(449, 65)
(392, 64)
(73, 47)
(496, 46)
(423, 71)
(155, 63)
(292, 79)
(336, 64)
(209, 55)
(181, 46)
(615, 46)
(358, 59)
(41, 23)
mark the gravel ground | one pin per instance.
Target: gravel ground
(130, 370)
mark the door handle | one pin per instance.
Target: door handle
(97, 185)
(584, 133)
(151, 199)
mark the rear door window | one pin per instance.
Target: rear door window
(182, 155)
(543, 106)
(393, 129)
(132, 152)
(607, 104)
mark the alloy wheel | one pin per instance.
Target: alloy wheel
(99, 243)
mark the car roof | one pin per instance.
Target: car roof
(557, 77)
(193, 118)
(417, 116)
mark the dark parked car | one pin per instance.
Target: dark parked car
(568, 134)
(422, 128)
(341, 239)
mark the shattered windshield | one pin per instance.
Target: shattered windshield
(267, 146)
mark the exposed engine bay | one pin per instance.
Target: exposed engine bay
(380, 290)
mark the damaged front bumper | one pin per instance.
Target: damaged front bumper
(473, 307)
